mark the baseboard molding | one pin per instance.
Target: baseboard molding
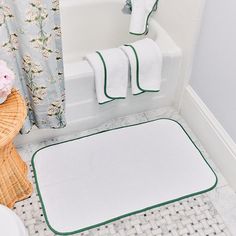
(210, 132)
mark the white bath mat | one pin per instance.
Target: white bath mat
(97, 179)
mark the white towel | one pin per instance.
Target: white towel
(141, 11)
(145, 59)
(111, 74)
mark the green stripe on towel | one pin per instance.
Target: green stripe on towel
(137, 71)
(105, 80)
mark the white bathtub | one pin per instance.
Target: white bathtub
(89, 25)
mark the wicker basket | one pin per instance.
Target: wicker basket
(14, 185)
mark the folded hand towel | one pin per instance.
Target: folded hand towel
(141, 11)
(145, 60)
(111, 74)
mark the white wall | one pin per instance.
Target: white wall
(214, 69)
(182, 20)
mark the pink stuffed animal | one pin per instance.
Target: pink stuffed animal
(7, 78)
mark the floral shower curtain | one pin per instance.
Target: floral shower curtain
(30, 42)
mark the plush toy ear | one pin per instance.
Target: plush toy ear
(3, 63)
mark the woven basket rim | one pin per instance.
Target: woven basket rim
(17, 120)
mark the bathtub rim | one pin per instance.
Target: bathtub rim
(85, 70)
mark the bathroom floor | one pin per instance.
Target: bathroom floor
(213, 213)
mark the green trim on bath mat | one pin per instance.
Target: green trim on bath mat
(137, 72)
(105, 80)
(147, 20)
(125, 215)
